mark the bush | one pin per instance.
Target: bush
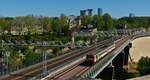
(144, 66)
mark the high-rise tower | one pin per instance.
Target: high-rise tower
(82, 12)
(99, 11)
(90, 12)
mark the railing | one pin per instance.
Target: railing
(94, 69)
(100, 65)
(141, 35)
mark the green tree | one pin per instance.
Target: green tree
(147, 24)
(98, 22)
(85, 20)
(120, 24)
(5, 25)
(15, 61)
(31, 57)
(108, 22)
(56, 28)
(144, 65)
(46, 23)
(64, 24)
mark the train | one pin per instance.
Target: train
(92, 58)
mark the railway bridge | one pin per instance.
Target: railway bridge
(111, 66)
(72, 65)
(108, 66)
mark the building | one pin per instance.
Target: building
(87, 31)
(99, 11)
(131, 15)
(82, 12)
(74, 21)
(89, 12)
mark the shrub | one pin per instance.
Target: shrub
(143, 65)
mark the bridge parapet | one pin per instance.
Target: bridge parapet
(100, 65)
(141, 35)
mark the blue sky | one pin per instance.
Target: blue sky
(117, 8)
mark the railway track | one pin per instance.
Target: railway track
(63, 73)
(31, 72)
(78, 70)
(103, 60)
(72, 73)
(74, 70)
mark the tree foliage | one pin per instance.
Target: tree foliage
(136, 22)
(144, 66)
(85, 20)
(108, 22)
(98, 22)
(31, 57)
